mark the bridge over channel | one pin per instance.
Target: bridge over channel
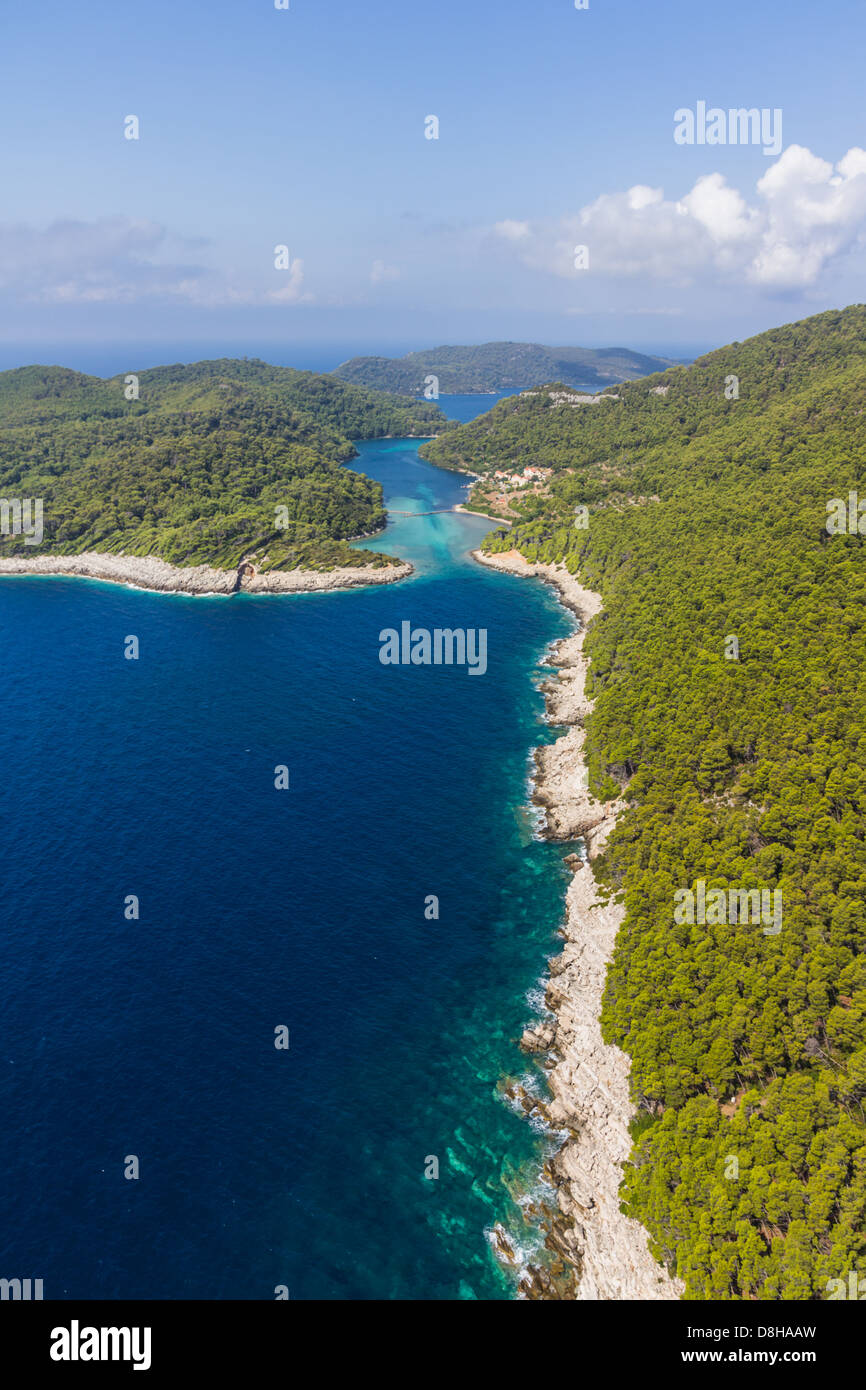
(395, 511)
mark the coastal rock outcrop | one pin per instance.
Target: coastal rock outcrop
(538, 1038)
(147, 572)
(588, 1078)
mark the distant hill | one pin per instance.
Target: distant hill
(499, 367)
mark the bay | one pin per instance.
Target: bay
(261, 908)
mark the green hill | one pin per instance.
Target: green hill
(193, 471)
(498, 367)
(707, 522)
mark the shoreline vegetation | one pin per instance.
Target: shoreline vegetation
(603, 1254)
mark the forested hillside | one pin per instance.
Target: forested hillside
(499, 367)
(729, 679)
(194, 469)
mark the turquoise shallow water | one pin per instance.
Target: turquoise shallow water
(261, 908)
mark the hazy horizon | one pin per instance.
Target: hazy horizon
(233, 175)
(109, 359)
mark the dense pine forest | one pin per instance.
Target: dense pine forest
(729, 679)
(193, 468)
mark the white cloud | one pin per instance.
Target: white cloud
(291, 291)
(113, 259)
(510, 230)
(642, 196)
(720, 210)
(380, 273)
(804, 213)
(125, 260)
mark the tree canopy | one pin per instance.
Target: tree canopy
(195, 469)
(742, 764)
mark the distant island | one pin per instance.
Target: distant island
(499, 367)
(207, 477)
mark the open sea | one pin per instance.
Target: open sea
(261, 908)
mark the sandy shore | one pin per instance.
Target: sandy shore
(146, 572)
(588, 1079)
(498, 520)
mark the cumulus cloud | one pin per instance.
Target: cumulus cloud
(804, 212)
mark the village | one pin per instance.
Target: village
(496, 491)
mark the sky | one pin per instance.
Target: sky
(306, 128)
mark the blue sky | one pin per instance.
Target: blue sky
(261, 127)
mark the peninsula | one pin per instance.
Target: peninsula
(207, 478)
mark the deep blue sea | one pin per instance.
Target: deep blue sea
(262, 907)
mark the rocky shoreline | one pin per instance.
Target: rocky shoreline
(147, 572)
(599, 1253)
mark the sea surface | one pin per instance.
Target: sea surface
(261, 908)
